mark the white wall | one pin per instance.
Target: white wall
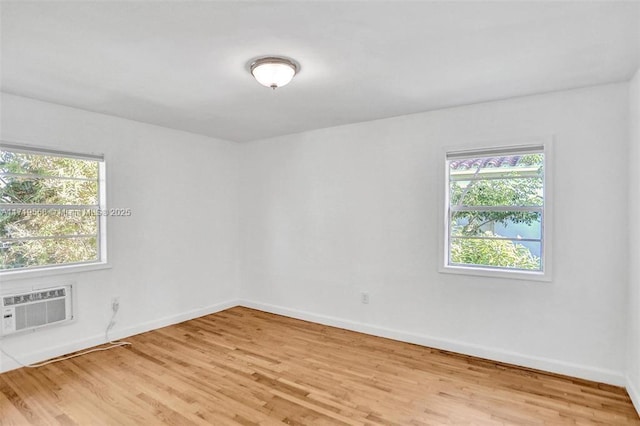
(174, 258)
(633, 354)
(327, 214)
(330, 213)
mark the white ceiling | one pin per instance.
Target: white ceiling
(184, 64)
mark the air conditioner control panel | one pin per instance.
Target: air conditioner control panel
(8, 320)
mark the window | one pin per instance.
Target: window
(50, 208)
(495, 212)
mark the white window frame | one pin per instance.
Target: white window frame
(66, 268)
(545, 145)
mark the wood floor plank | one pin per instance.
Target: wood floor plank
(10, 415)
(246, 367)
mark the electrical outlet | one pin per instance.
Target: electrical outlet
(115, 304)
(364, 297)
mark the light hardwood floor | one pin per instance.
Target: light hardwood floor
(243, 366)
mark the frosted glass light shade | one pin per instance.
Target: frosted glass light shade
(273, 72)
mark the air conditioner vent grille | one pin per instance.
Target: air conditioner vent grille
(34, 297)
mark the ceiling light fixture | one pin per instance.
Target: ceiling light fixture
(273, 71)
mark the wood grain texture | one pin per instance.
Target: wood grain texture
(247, 367)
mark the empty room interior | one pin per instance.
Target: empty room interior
(318, 212)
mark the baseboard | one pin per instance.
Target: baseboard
(69, 347)
(175, 319)
(634, 393)
(538, 363)
(545, 364)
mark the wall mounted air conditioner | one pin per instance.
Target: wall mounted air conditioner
(35, 309)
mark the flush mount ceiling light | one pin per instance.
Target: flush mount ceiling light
(273, 71)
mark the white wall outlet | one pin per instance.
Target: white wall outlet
(364, 297)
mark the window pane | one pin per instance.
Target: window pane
(496, 202)
(497, 192)
(507, 224)
(22, 254)
(491, 166)
(30, 223)
(50, 233)
(495, 253)
(47, 165)
(47, 191)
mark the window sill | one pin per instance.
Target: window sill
(52, 271)
(496, 273)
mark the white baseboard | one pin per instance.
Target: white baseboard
(634, 393)
(175, 319)
(539, 363)
(8, 364)
(545, 364)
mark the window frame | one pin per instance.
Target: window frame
(66, 268)
(545, 146)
